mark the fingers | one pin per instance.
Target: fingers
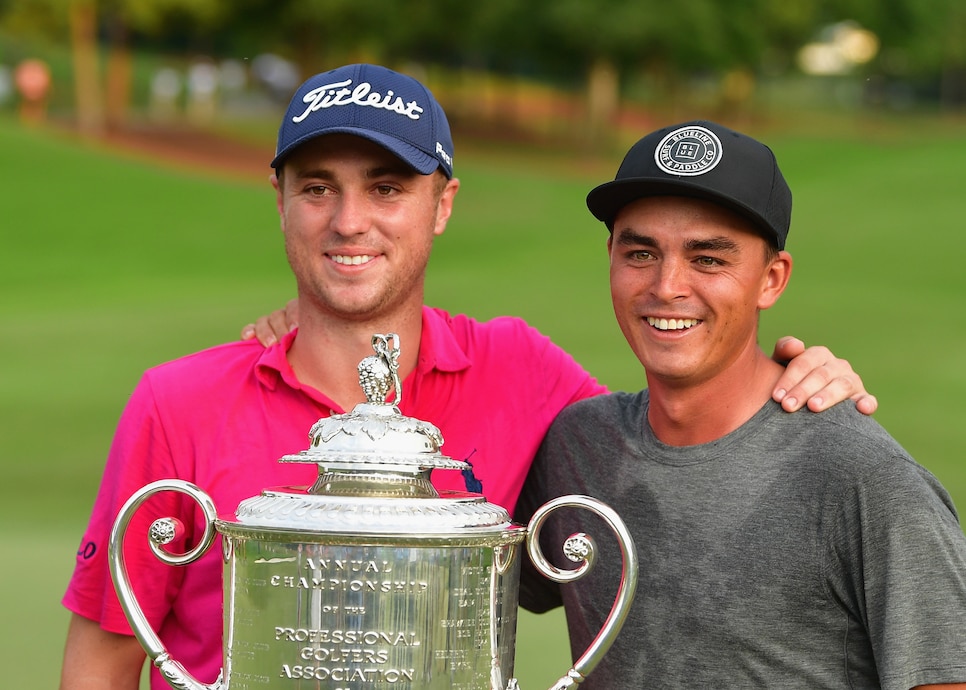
(866, 403)
(291, 315)
(269, 329)
(787, 348)
(818, 379)
(263, 330)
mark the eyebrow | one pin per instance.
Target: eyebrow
(714, 244)
(400, 170)
(628, 237)
(719, 243)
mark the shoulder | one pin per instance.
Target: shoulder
(207, 369)
(510, 330)
(843, 430)
(233, 354)
(508, 359)
(609, 405)
(600, 413)
(507, 342)
(858, 457)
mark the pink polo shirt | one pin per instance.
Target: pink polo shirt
(221, 418)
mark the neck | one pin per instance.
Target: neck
(692, 414)
(327, 351)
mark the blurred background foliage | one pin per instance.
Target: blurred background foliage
(568, 70)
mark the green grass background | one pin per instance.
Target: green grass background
(110, 264)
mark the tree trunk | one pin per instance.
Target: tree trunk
(119, 75)
(603, 99)
(952, 88)
(87, 82)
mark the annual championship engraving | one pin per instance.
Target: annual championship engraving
(367, 616)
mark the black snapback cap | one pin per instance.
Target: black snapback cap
(704, 160)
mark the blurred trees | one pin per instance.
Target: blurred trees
(90, 24)
(606, 45)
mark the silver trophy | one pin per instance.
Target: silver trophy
(369, 579)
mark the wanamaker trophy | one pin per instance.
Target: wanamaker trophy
(370, 579)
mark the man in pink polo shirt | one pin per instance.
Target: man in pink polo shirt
(364, 183)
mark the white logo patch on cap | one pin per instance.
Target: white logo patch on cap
(688, 151)
(338, 93)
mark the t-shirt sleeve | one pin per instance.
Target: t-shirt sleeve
(537, 592)
(899, 530)
(139, 454)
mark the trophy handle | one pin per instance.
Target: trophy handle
(580, 548)
(162, 532)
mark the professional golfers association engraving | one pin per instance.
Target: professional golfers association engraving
(369, 579)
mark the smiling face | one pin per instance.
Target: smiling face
(688, 279)
(359, 226)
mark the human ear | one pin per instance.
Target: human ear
(776, 278)
(445, 207)
(279, 202)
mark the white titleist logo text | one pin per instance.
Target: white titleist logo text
(330, 95)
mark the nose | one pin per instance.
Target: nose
(350, 216)
(671, 281)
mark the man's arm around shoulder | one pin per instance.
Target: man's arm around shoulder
(95, 659)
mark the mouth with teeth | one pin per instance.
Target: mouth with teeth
(672, 324)
(351, 260)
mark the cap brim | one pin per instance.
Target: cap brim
(415, 158)
(606, 200)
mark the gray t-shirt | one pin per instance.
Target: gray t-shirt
(800, 551)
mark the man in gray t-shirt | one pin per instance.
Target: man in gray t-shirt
(803, 550)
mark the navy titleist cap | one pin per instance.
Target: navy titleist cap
(373, 102)
(704, 160)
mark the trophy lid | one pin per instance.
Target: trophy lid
(375, 438)
(367, 456)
